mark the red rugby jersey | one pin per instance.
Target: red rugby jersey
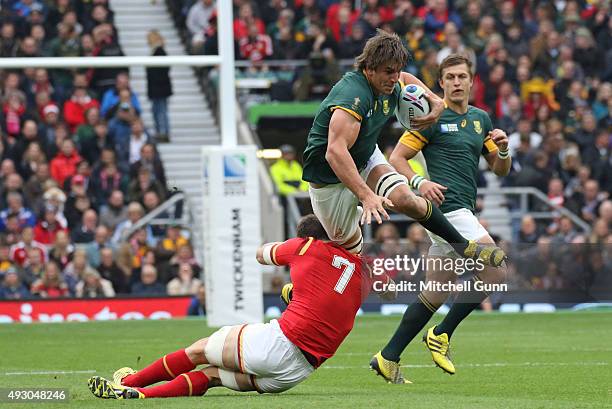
(328, 288)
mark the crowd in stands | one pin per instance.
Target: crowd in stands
(543, 72)
(78, 169)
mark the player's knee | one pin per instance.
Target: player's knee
(390, 183)
(409, 205)
(195, 352)
(213, 349)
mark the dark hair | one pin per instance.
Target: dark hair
(382, 48)
(455, 59)
(310, 226)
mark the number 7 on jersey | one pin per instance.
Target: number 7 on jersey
(347, 273)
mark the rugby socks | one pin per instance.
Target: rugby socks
(437, 223)
(414, 319)
(464, 304)
(187, 384)
(164, 369)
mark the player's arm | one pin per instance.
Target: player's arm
(381, 284)
(436, 103)
(264, 253)
(498, 156)
(408, 146)
(343, 131)
(281, 253)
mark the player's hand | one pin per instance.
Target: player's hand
(436, 105)
(374, 206)
(389, 295)
(500, 139)
(433, 192)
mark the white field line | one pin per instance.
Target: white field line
(88, 371)
(492, 364)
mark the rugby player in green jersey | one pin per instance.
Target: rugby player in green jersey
(344, 165)
(452, 149)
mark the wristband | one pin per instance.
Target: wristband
(416, 181)
(503, 154)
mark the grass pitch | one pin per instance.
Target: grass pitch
(561, 360)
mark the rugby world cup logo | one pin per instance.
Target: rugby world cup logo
(234, 172)
(415, 101)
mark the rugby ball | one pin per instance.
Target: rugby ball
(412, 104)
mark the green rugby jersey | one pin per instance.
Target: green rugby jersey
(354, 95)
(452, 149)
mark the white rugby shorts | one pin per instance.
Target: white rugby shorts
(276, 362)
(336, 206)
(466, 224)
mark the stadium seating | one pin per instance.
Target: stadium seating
(78, 169)
(543, 74)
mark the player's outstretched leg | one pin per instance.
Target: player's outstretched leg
(209, 350)
(194, 383)
(385, 181)
(437, 339)
(165, 368)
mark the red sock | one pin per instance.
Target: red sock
(164, 369)
(187, 384)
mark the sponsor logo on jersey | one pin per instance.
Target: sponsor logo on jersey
(356, 103)
(386, 107)
(477, 127)
(449, 128)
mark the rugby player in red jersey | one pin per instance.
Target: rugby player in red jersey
(329, 285)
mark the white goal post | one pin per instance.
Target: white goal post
(225, 61)
(233, 288)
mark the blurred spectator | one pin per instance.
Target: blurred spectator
(75, 270)
(524, 130)
(184, 254)
(76, 107)
(47, 228)
(144, 183)
(62, 250)
(33, 188)
(245, 20)
(198, 20)
(287, 172)
(138, 138)
(317, 79)
(19, 251)
(135, 211)
(33, 268)
(51, 285)
(148, 284)
(255, 47)
(86, 132)
(12, 288)
(101, 241)
(91, 148)
(159, 86)
(23, 215)
(84, 232)
(529, 230)
(112, 97)
(109, 270)
(185, 283)
(114, 211)
(93, 285)
(167, 246)
(65, 163)
(197, 307)
(437, 16)
(105, 45)
(150, 160)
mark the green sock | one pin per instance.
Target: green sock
(414, 319)
(437, 223)
(464, 304)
